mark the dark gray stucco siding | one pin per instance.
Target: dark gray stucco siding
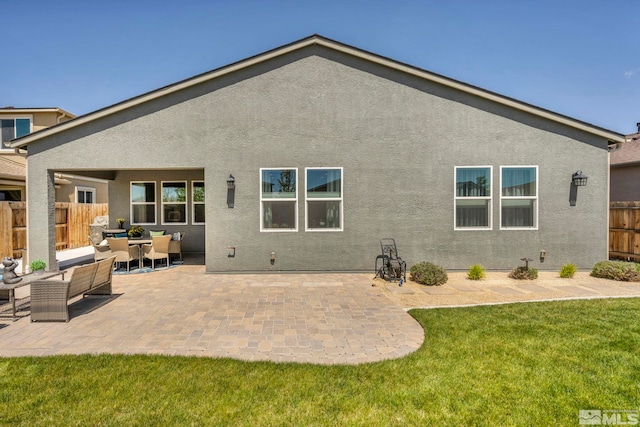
(398, 139)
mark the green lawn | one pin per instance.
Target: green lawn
(519, 364)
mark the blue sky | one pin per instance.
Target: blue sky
(580, 58)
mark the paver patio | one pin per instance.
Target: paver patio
(316, 318)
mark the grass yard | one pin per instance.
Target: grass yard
(519, 364)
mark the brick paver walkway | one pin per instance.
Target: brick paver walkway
(318, 318)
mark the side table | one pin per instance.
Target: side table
(26, 279)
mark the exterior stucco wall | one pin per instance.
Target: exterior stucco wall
(398, 139)
(625, 183)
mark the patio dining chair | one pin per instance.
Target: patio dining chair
(158, 249)
(123, 252)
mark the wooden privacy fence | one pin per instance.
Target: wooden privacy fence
(72, 225)
(624, 230)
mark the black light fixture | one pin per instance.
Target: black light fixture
(231, 182)
(578, 179)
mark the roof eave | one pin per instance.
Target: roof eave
(331, 44)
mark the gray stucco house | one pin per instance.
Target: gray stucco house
(332, 148)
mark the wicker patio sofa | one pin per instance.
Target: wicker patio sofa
(49, 297)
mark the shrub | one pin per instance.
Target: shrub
(524, 273)
(617, 270)
(428, 274)
(476, 272)
(568, 270)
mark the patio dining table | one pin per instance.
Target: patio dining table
(139, 243)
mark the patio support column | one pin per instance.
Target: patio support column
(41, 225)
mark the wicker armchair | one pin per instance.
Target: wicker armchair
(123, 252)
(100, 252)
(158, 249)
(175, 245)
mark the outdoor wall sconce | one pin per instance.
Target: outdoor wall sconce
(232, 252)
(231, 182)
(273, 258)
(543, 255)
(231, 191)
(578, 179)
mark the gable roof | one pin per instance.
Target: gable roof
(330, 44)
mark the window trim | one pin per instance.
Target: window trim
(154, 203)
(293, 200)
(536, 198)
(194, 203)
(5, 149)
(456, 198)
(327, 199)
(86, 190)
(163, 203)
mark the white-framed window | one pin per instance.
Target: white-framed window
(323, 199)
(174, 202)
(85, 195)
(519, 197)
(197, 202)
(12, 128)
(279, 199)
(473, 200)
(10, 195)
(143, 202)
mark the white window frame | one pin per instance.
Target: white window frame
(86, 190)
(292, 200)
(194, 202)
(185, 203)
(154, 203)
(456, 198)
(324, 199)
(4, 148)
(536, 219)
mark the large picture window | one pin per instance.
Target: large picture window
(519, 197)
(174, 202)
(143, 203)
(278, 199)
(197, 200)
(324, 199)
(473, 198)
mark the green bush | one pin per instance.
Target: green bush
(476, 272)
(524, 273)
(568, 271)
(428, 274)
(37, 264)
(617, 270)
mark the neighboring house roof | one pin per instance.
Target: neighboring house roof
(16, 111)
(330, 44)
(11, 169)
(628, 153)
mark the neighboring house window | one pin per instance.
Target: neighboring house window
(14, 128)
(197, 200)
(278, 200)
(143, 203)
(324, 199)
(473, 198)
(174, 202)
(85, 195)
(10, 195)
(519, 197)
